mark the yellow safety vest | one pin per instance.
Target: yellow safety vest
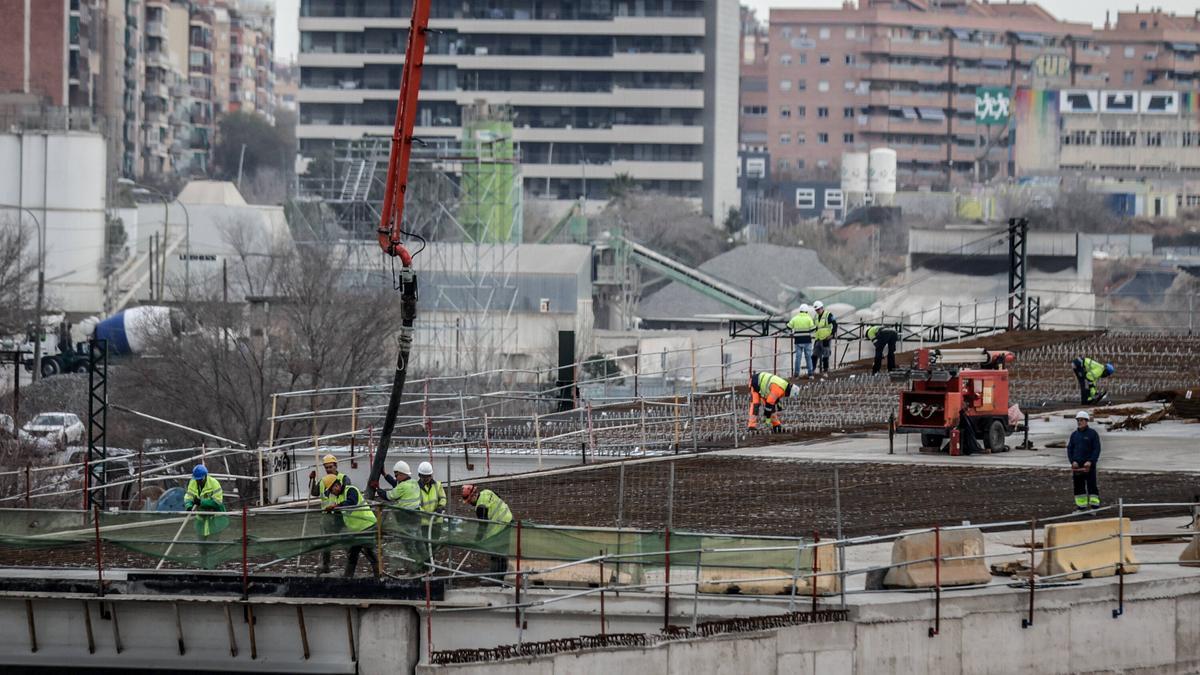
(802, 323)
(433, 496)
(211, 490)
(765, 380)
(327, 497)
(406, 494)
(497, 510)
(824, 330)
(358, 517)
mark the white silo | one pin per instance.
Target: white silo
(854, 178)
(881, 176)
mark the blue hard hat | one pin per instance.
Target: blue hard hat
(199, 473)
(1109, 369)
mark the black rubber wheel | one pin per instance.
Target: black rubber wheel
(49, 367)
(932, 441)
(993, 437)
(81, 368)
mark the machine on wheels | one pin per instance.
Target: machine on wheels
(957, 394)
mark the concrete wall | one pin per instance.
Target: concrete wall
(1073, 632)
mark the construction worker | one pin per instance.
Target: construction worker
(433, 495)
(489, 507)
(404, 493)
(826, 329)
(766, 389)
(1083, 451)
(204, 494)
(883, 337)
(353, 513)
(321, 489)
(1089, 372)
(802, 327)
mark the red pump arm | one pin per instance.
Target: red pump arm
(391, 217)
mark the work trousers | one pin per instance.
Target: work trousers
(368, 551)
(890, 346)
(1087, 388)
(1087, 493)
(821, 353)
(803, 350)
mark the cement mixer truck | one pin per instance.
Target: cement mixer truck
(127, 332)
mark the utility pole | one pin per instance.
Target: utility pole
(241, 159)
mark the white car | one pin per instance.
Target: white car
(61, 428)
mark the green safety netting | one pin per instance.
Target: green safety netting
(211, 540)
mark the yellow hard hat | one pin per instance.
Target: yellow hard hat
(327, 481)
(329, 459)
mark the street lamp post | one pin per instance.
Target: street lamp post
(187, 228)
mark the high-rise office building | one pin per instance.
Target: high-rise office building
(647, 88)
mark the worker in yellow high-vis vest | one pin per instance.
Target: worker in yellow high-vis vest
(766, 390)
(826, 329)
(355, 515)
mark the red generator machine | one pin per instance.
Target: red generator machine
(953, 392)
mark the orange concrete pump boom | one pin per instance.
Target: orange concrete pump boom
(392, 215)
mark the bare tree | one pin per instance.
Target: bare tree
(670, 225)
(18, 271)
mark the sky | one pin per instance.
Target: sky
(287, 35)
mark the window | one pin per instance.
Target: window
(1190, 139)
(785, 85)
(754, 110)
(787, 31)
(801, 139)
(823, 138)
(822, 112)
(783, 164)
(824, 58)
(850, 57)
(1118, 138)
(806, 198)
(1127, 77)
(1150, 56)
(785, 59)
(1152, 139)
(785, 111)
(756, 167)
(800, 164)
(785, 139)
(847, 138)
(823, 34)
(801, 85)
(1079, 137)
(803, 59)
(833, 199)
(849, 35)
(801, 111)
(823, 85)
(1130, 52)
(847, 113)
(848, 85)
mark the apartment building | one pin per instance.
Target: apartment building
(753, 160)
(904, 75)
(597, 88)
(1151, 50)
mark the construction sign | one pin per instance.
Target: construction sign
(992, 105)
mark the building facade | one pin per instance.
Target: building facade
(645, 88)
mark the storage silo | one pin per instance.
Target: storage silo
(881, 176)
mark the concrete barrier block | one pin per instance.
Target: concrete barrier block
(586, 574)
(723, 656)
(920, 546)
(773, 581)
(1144, 636)
(1099, 558)
(1191, 555)
(995, 644)
(816, 637)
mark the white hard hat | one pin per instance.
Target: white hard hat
(424, 469)
(1082, 415)
(818, 305)
(401, 467)
(804, 308)
(794, 392)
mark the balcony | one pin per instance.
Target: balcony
(157, 90)
(898, 47)
(879, 124)
(912, 99)
(157, 60)
(908, 72)
(156, 29)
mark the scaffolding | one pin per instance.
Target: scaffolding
(465, 199)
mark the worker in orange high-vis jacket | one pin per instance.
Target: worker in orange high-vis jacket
(766, 390)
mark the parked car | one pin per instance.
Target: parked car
(61, 428)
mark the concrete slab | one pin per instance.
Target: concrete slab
(737, 655)
(998, 645)
(612, 661)
(797, 664)
(901, 648)
(1187, 629)
(1098, 640)
(1166, 446)
(815, 638)
(833, 663)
